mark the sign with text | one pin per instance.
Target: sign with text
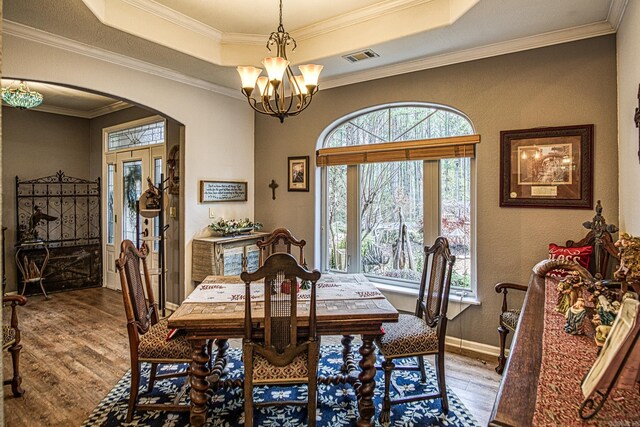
(223, 191)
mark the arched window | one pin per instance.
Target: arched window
(393, 179)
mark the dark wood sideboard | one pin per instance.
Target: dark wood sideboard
(516, 400)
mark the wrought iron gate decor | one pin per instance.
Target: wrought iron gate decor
(74, 237)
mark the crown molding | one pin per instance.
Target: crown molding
(355, 17)
(91, 114)
(176, 18)
(503, 48)
(616, 13)
(331, 24)
(32, 34)
(246, 39)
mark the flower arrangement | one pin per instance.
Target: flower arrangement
(234, 226)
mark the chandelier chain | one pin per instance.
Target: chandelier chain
(281, 27)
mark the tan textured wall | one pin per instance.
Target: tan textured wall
(628, 42)
(37, 144)
(567, 84)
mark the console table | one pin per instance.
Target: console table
(224, 255)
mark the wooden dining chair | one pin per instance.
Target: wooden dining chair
(421, 333)
(147, 333)
(11, 342)
(285, 350)
(280, 240)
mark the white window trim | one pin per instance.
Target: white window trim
(465, 297)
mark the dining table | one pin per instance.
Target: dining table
(346, 305)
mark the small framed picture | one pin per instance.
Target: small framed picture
(298, 173)
(547, 167)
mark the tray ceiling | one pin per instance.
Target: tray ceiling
(205, 40)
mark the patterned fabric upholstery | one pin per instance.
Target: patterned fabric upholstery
(154, 345)
(510, 318)
(295, 372)
(409, 337)
(8, 335)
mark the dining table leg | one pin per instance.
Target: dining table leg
(367, 380)
(220, 362)
(347, 356)
(199, 383)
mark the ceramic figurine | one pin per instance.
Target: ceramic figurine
(629, 269)
(569, 289)
(562, 302)
(577, 287)
(606, 311)
(601, 334)
(575, 318)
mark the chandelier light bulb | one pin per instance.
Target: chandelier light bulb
(299, 86)
(276, 67)
(311, 73)
(264, 86)
(249, 75)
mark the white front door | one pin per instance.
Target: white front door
(127, 173)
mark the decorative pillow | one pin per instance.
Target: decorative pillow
(580, 255)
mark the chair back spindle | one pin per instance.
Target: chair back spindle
(433, 296)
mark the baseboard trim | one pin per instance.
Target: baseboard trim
(472, 348)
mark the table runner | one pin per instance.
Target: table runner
(566, 359)
(329, 287)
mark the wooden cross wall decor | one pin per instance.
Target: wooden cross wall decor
(636, 118)
(273, 187)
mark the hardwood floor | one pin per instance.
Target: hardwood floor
(75, 349)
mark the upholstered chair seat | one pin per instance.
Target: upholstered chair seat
(8, 336)
(155, 347)
(411, 336)
(510, 318)
(295, 372)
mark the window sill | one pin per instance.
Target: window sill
(458, 296)
(404, 299)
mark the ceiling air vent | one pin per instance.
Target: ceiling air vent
(360, 56)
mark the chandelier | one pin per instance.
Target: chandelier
(282, 94)
(21, 97)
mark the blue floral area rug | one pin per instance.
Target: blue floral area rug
(337, 405)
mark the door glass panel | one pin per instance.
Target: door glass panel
(111, 168)
(455, 201)
(148, 134)
(337, 218)
(131, 192)
(391, 219)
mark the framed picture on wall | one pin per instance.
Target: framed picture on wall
(298, 173)
(547, 167)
